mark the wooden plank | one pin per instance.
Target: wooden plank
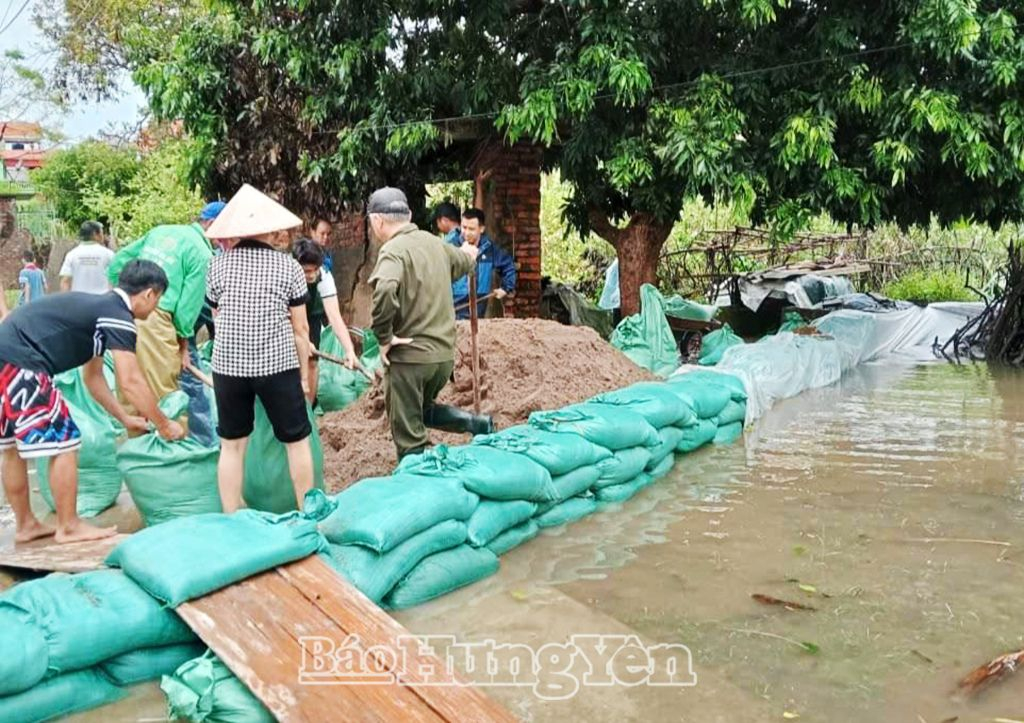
(450, 695)
(256, 626)
(47, 555)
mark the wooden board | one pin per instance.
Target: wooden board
(255, 628)
(47, 555)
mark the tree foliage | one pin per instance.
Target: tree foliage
(71, 176)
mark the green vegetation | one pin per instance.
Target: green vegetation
(929, 287)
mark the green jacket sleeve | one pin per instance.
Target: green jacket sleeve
(193, 292)
(122, 257)
(386, 279)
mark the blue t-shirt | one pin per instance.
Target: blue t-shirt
(35, 277)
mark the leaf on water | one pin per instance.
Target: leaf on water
(810, 648)
(809, 589)
(518, 595)
(790, 716)
(990, 672)
(769, 600)
(799, 550)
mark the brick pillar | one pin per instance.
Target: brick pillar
(512, 206)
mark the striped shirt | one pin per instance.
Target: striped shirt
(61, 332)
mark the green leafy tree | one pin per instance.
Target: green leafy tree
(73, 176)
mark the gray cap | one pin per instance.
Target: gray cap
(387, 200)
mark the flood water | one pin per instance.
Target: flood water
(891, 503)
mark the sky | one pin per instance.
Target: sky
(84, 120)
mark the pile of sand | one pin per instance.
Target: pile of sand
(526, 365)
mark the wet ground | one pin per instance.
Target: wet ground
(891, 503)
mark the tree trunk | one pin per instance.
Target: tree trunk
(638, 247)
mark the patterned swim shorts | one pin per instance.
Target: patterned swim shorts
(33, 415)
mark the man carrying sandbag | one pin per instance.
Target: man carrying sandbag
(54, 335)
(414, 319)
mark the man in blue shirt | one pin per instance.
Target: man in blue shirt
(491, 258)
(447, 217)
(31, 280)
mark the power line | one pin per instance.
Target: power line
(16, 16)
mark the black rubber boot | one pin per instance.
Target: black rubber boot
(453, 419)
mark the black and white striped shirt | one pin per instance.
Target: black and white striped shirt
(60, 332)
(253, 287)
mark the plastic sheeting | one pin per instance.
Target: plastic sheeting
(803, 292)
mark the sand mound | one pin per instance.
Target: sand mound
(525, 365)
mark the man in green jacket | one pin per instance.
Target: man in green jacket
(414, 319)
(184, 253)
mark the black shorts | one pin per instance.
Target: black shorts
(282, 398)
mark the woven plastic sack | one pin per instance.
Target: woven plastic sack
(267, 484)
(576, 482)
(557, 453)
(623, 467)
(510, 539)
(442, 573)
(93, 616)
(168, 480)
(663, 467)
(204, 689)
(707, 400)
(714, 376)
(24, 658)
(654, 402)
(680, 308)
(729, 433)
(734, 412)
(140, 666)
(609, 427)
(697, 435)
(568, 511)
(60, 696)
(99, 482)
(646, 338)
(493, 518)
(622, 492)
(487, 471)
(165, 560)
(375, 574)
(382, 512)
(340, 387)
(715, 344)
(670, 439)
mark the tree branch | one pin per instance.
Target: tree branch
(603, 227)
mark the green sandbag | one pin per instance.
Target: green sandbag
(140, 666)
(707, 400)
(165, 560)
(557, 453)
(267, 484)
(206, 351)
(168, 480)
(442, 573)
(622, 492)
(609, 427)
(625, 465)
(487, 471)
(93, 616)
(204, 690)
(99, 482)
(568, 511)
(653, 401)
(338, 386)
(514, 537)
(376, 574)
(791, 321)
(712, 376)
(680, 308)
(729, 433)
(576, 482)
(646, 338)
(60, 696)
(661, 469)
(697, 435)
(492, 518)
(382, 512)
(24, 658)
(734, 412)
(715, 344)
(670, 439)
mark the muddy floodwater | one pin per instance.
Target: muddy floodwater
(890, 503)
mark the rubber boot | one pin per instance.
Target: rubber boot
(453, 419)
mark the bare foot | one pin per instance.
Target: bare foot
(83, 532)
(33, 531)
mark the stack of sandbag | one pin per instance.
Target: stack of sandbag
(338, 386)
(203, 689)
(720, 403)
(99, 481)
(70, 641)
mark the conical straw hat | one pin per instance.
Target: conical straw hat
(251, 213)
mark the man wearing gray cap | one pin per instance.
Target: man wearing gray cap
(414, 319)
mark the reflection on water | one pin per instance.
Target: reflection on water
(890, 502)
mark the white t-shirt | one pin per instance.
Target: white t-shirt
(326, 286)
(87, 265)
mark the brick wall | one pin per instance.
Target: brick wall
(512, 205)
(13, 241)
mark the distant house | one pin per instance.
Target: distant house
(21, 149)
